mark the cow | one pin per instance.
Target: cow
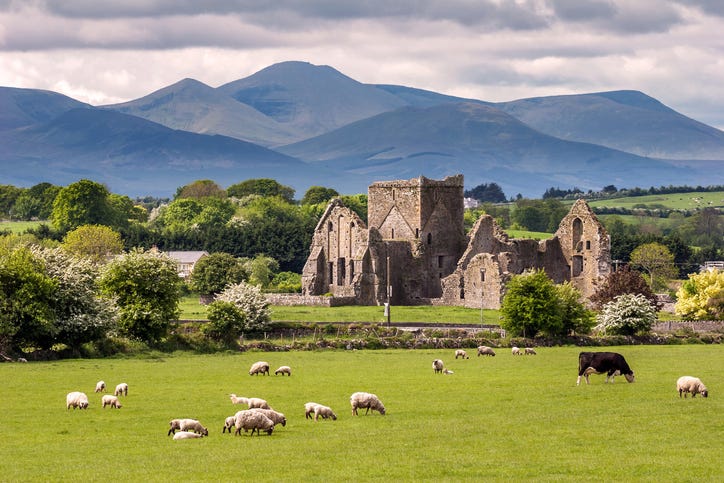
(611, 363)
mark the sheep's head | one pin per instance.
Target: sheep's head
(205, 432)
(704, 392)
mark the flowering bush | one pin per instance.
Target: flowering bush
(627, 314)
(250, 302)
(702, 296)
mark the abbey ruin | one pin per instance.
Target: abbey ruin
(414, 250)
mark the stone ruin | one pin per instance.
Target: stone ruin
(414, 250)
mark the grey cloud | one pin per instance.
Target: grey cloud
(578, 10)
(713, 7)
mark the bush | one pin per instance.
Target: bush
(249, 300)
(627, 314)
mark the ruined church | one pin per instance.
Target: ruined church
(414, 250)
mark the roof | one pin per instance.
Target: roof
(187, 256)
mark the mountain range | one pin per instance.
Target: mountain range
(307, 125)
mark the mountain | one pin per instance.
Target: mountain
(135, 156)
(486, 145)
(24, 107)
(193, 106)
(626, 120)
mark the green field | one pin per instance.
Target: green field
(18, 226)
(674, 201)
(500, 418)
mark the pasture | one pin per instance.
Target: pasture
(495, 418)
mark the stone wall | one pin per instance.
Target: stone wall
(289, 299)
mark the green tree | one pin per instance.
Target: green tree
(657, 261)
(531, 305)
(82, 203)
(203, 188)
(485, 192)
(96, 242)
(286, 282)
(576, 317)
(146, 287)
(701, 297)
(318, 194)
(227, 321)
(251, 302)
(265, 187)
(8, 196)
(627, 314)
(261, 270)
(214, 272)
(622, 281)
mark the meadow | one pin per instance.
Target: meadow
(496, 418)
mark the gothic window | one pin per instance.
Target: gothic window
(330, 227)
(393, 234)
(417, 233)
(440, 259)
(588, 244)
(577, 265)
(429, 238)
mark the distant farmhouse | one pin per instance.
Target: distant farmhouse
(186, 261)
(415, 250)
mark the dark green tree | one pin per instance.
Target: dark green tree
(531, 305)
(318, 194)
(82, 203)
(213, 273)
(265, 187)
(487, 192)
(622, 281)
(227, 321)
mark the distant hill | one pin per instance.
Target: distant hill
(24, 107)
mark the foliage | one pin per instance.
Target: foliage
(658, 262)
(531, 305)
(265, 187)
(627, 314)
(286, 282)
(622, 281)
(576, 317)
(96, 242)
(203, 188)
(214, 272)
(250, 302)
(487, 192)
(356, 203)
(8, 196)
(146, 288)
(537, 215)
(261, 269)
(82, 203)
(318, 194)
(701, 297)
(227, 321)
(35, 202)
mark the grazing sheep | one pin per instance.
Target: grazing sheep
(228, 424)
(187, 425)
(76, 399)
(186, 435)
(251, 402)
(693, 385)
(121, 389)
(363, 400)
(238, 399)
(260, 367)
(318, 410)
(283, 370)
(516, 351)
(254, 420)
(530, 351)
(111, 401)
(437, 366)
(461, 353)
(22, 359)
(309, 409)
(100, 386)
(275, 416)
(484, 350)
(448, 371)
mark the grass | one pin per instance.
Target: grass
(674, 201)
(499, 418)
(18, 226)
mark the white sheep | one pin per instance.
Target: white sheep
(516, 351)
(530, 351)
(76, 399)
(363, 400)
(437, 366)
(484, 350)
(187, 425)
(318, 410)
(100, 386)
(275, 416)
(309, 409)
(448, 371)
(228, 424)
(251, 402)
(254, 420)
(461, 353)
(186, 435)
(112, 401)
(693, 385)
(121, 389)
(238, 399)
(260, 367)
(283, 370)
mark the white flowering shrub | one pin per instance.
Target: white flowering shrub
(251, 302)
(627, 314)
(701, 297)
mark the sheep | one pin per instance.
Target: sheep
(112, 401)
(686, 384)
(186, 435)
(437, 366)
(484, 350)
(461, 353)
(516, 351)
(318, 410)
(228, 424)
(260, 367)
(530, 351)
(448, 371)
(275, 416)
(251, 402)
(76, 399)
(366, 400)
(100, 386)
(238, 399)
(121, 389)
(22, 359)
(187, 425)
(254, 420)
(283, 370)
(309, 409)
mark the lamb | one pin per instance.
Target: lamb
(437, 366)
(484, 350)
(461, 353)
(121, 389)
(251, 402)
(283, 370)
(366, 400)
(254, 420)
(318, 410)
(112, 401)
(187, 425)
(228, 424)
(516, 351)
(186, 435)
(100, 386)
(693, 385)
(530, 351)
(448, 371)
(76, 399)
(275, 416)
(260, 367)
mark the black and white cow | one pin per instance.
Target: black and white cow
(611, 363)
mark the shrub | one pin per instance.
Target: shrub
(627, 314)
(251, 302)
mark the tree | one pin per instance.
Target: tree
(287, 282)
(658, 262)
(96, 242)
(623, 281)
(8, 196)
(226, 321)
(251, 302)
(265, 187)
(627, 314)
(214, 272)
(576, 317)
(531, 305)
(203, 188)
(701, 297)
(82, 203)
(318, 194)
(261, 269)
(485, 192)
(146, 287)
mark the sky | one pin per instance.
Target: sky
(104, 52)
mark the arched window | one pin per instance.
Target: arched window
(330, 227)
